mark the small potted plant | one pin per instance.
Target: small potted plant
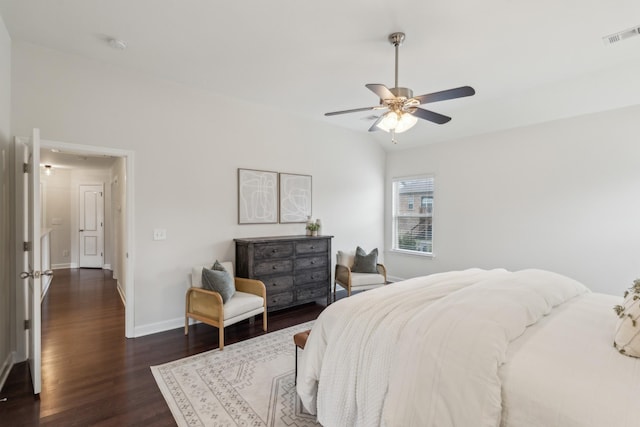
(313, 228)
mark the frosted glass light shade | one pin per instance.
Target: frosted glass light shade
(399, 122)
(407, 121)
(389, 121)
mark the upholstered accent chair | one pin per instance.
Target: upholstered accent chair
(249, 300)
(352, 281)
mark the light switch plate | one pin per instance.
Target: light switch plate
(159, 234)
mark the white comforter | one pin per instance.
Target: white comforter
(438, 341)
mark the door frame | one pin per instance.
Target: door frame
(130, 258)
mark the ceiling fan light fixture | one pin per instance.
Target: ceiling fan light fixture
(403, 108)
(406, 122)
(389, 121)
(397, 121)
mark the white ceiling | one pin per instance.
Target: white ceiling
(529, 62)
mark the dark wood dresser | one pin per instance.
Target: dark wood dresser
(295, 269)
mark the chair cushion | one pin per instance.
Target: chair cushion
(219, 280)
(365, 263)
(242, 303)
(366, 279)
(345, 258)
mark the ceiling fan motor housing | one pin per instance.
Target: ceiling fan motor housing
(402, 92)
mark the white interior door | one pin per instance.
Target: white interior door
(91, 226)
(31, 274)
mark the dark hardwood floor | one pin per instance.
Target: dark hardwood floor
(91, 374)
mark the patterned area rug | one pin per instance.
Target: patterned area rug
(250, 383)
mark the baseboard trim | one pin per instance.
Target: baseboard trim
(121, 292)
(106, 267)
(46, 284)
(154, 328)
(61, 266)
(394, 279)
(6, 368)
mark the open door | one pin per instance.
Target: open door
(30, 195)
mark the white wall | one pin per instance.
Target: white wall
(188, 145)
(562, 196)
(57, 206)
(6, 184)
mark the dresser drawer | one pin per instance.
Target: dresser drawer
(311, 292)
(308, 276)
(277, 284)
(279, 300)
(312, 247)
(263, 268)
(311, 262)
(273, 250)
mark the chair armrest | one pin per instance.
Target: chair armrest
(343, 274)
(251, 286)
(382, 270)
(204, 300)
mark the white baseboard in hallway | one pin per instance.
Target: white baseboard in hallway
(5, 369)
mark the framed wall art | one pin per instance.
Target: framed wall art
(257, 197)
(295, 197)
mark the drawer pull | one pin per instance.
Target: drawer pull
(313, 262)
(274, 251)
(274, 284)
(313, 247)
(274, 268)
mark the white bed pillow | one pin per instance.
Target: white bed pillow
(627, 338)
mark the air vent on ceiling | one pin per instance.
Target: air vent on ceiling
(622, 35)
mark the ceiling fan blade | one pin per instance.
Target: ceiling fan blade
(374, 127)
(458, 92)
(355, 110)
(382, 91)
(431, 116)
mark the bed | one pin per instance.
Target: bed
(470, 348)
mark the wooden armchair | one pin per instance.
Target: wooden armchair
(206, 306)
(356, 281)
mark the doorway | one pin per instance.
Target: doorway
(124, 251)
(120, 205)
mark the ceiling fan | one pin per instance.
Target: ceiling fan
(403, 108)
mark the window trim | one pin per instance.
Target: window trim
(394, 203)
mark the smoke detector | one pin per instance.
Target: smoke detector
(621, 35)
(117, 44)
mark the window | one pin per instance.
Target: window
(426, 204)
(413, 231)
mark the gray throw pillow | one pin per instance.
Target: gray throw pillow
(218, 280)
(365, 263)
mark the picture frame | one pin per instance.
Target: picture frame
(295, 197)
(257, 196)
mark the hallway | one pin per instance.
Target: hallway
(92, 374)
